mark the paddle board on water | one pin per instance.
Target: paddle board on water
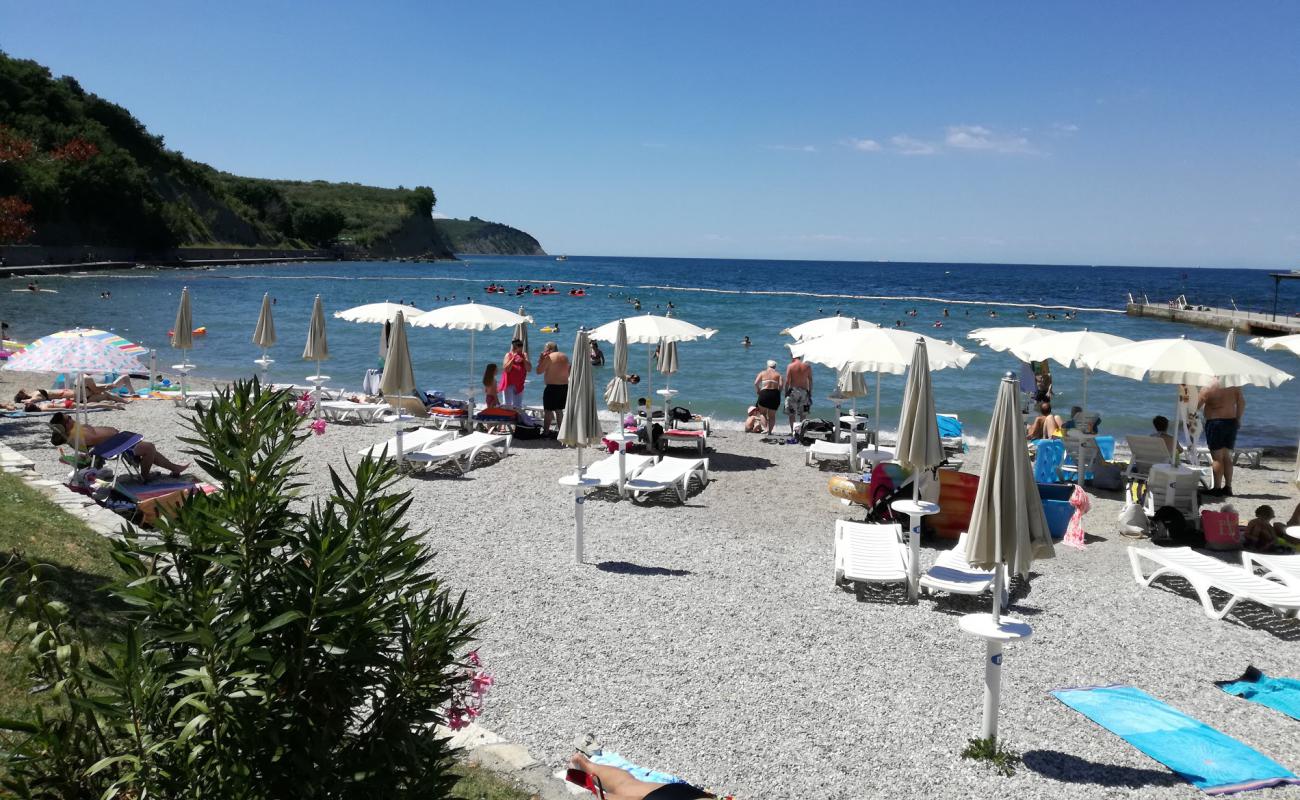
(35, 291)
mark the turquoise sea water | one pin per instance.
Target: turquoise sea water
(739, 298)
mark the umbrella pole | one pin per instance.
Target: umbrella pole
(914, 543)
(153, 370)
(993, 659)
(876, 422)
(1178, 420)
(853, 434)
(577, 510)
(1083, 446)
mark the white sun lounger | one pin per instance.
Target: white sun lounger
(412, 442)
(348, 411)
(1283, 568)
(952, 573)
(606, 470)
(1205, 573)
(828, 451)
(867, 553)
(462, 451)
(669, 473)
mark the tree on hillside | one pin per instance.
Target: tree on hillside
(422, 201)
(318, 224)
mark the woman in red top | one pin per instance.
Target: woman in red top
(514, 371)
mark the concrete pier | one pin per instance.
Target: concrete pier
(1250, 322)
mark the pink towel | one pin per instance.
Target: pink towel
(1082, 502)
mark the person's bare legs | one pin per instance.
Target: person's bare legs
(149, 456)
(617, 783)
(1221, 463)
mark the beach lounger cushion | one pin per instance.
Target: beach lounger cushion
(670, 473)
(1205, 573)
(869, 553)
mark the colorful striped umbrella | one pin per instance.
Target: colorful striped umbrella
(79, 350)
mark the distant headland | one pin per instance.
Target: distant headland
(81, 179)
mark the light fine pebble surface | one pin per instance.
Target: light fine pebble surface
(708, 639)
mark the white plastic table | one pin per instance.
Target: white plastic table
(916, 510)
(995, 634)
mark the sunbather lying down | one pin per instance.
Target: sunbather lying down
(613, 783)
(93, 392)
(67, 430)
(58, 405)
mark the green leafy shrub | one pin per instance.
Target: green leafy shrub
(266, 650)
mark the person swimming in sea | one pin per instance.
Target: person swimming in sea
(745, 342)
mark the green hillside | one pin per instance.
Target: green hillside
(76, 169)
(476, 236)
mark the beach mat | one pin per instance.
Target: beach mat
(139, 492)
(1210, 760)
(1280, 694)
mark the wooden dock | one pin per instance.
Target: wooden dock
(1254, 323)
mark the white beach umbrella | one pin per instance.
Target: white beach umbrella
(580, 428)
(1007, 338)
(264, 334)
(878, 350)
(919, 448)
(521, 330)
(1007, 531)
(183, 335)
(1291, 343)
(652, 329)
(377, 313)
(1069, 348)
(472, 317)
(815, 328)
(1185, 361)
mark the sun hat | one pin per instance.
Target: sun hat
(771, 363)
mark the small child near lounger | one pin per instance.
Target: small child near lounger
(1263, 535)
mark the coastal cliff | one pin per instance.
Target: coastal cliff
(476, 236)
(80, 175)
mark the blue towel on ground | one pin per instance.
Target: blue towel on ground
(1281, 694)
(1212, 761)
(612, 759)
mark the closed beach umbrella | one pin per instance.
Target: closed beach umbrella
(521, 330)
(652, 329)
(919, 447)
(399, 377)
(815, 328)
(472, 317)
(580, 427)
(1007, 531)
(667, 366)
(1185, 361)
(264, 334)
(317, 348)
(616, 398)
(851, 384)
(1231, 341)
(183, 335)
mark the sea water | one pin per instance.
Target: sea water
(758, 299)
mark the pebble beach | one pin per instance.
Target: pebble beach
(708, 639)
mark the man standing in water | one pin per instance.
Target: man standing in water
(554, 367)
(1224, 408)
(798, 390)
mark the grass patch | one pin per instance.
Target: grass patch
(36, 530)
(477, 783)
(1002, 760)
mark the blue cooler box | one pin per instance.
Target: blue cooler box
(1056, 506)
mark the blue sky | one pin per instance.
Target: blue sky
(1160, 133)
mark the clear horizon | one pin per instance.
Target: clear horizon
(1151, 135)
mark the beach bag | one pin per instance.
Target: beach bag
(1220, 530)
(1169, 528)
(1106, 475)
(1133, 519)
(679, 414)
(523, 431)
(811, 430)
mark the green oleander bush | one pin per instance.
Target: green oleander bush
(262, 649)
